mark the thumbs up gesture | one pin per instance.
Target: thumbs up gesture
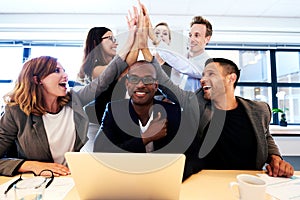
(156, 130)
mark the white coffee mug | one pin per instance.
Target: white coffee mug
(250, 187)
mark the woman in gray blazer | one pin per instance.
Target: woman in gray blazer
(43, 120)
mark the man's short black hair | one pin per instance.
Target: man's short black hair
(229, 65)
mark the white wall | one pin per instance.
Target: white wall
(289, 146)
(74, 27)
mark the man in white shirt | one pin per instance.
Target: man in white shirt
(191, 69)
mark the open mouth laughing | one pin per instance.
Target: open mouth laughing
(63, 84)
(206, 87)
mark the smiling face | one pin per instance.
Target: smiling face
(141, 93)
(214, 81)
(55, 84)
(109, 47)
(162, 32)
(198, 39)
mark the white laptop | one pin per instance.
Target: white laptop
(128, 176)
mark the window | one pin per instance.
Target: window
(13, 56)
(256, 81)
(267, 74)
(10, 61)
(255, 93)
(69, 57)
(10, 65)
(254, 65)
(288, 82)
(288, 67)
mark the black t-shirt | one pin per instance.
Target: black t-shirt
(236, 147)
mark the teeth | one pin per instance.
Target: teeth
(63, 84)
(206, 87)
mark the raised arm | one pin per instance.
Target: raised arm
(132, 22)
(102, 82)
(137, 19)
(178, 62)
(172, 91)
(145, 30)
(116, 68)
(132, 28)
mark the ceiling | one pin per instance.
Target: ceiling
(253, 8)
(281, 17)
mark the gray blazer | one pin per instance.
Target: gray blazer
(195, 107)
(28, 132)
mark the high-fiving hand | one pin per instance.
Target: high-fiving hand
(141, 20)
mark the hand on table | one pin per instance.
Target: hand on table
(37, 167)
(278, 167)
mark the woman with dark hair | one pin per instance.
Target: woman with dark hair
(100, 49)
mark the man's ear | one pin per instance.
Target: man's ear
(156, 85)
(232, 77)
(126, 83)
(207, 39)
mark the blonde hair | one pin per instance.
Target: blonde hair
(27, 93)
(166, 25)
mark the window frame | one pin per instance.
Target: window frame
(274, 84)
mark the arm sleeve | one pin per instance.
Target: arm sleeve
(272, 147)
(172, 91)
(8, 133)
(111, 138)
(178, 62)
(102, 82)
(187, 100)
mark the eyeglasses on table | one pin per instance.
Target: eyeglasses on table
(47, 173)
